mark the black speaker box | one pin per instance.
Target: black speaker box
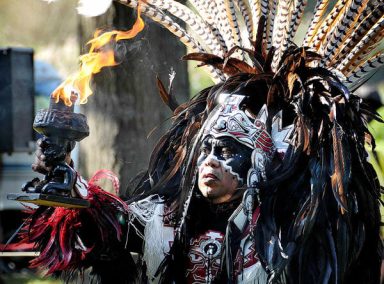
(16, 99)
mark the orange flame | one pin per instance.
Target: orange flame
(99, 56)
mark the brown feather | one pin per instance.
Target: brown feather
(338, 160)
(167, 98)
(240, 65)
(230, 66)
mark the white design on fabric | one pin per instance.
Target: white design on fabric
(157, 238)
(279, 134)
(253, 274)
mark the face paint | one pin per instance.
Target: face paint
(223, 165)
(234, 157)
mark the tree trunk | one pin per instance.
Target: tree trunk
(126, 106)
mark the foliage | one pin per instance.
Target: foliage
(377, 159)
(50, 29)
(198, 78)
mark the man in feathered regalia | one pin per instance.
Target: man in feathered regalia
(262, 178)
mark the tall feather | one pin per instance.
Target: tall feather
(320, 9)
(366, 68)
(328, 24)
(264, 4)
(256, 13)
(338, 162)
(224, 22)
(161, 18)
(365, 22)
(270, 23)
(333, 27)
(296, 17)
(364, 45)
(158, 16)
(349, 19)
(196, 24)
(204, 8)
(346, 36)
(234, 24)
(246, 13)
(280, 32)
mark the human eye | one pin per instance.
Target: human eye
(226, 152)
(205, 150)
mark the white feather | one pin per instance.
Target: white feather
(92, 8)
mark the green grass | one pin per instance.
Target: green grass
(28, 279)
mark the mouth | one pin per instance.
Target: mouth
(210, 176)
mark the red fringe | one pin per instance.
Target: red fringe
(55, 230)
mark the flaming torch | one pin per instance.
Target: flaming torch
(62, 127)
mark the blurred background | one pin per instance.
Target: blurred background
(40, 44)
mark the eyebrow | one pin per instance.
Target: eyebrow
(223, 142)
(207, 142)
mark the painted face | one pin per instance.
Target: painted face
(223, 165)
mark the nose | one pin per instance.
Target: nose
(212, 161)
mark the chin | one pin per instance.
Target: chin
(208, 192)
